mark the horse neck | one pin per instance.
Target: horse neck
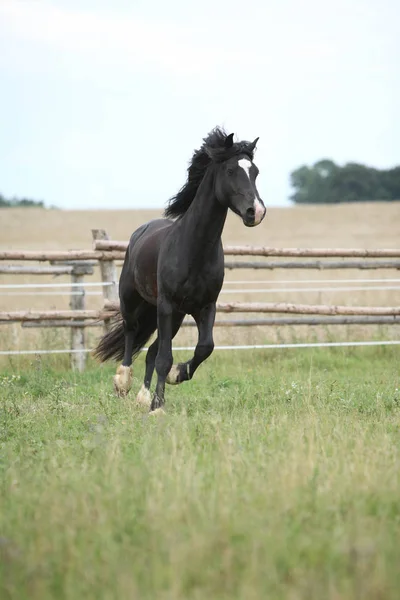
(204, 221)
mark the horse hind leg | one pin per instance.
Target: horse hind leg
(139, 325)
(123, 381)
(123, 377)
(144, 396)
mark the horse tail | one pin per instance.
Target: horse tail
(112, 344)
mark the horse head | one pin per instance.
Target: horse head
(235, 179)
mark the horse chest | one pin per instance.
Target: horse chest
(196, 291)
(196, 287)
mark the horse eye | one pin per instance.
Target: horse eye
(229, 171)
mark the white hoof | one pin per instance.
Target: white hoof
(144, 397)
(157, 412)
(123, 380)
(172, 377)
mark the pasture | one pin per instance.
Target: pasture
(274, 474)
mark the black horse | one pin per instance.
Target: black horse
(175, 266)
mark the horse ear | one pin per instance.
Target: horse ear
(254, 144)
(229, 141)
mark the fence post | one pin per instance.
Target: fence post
(108, 271)
(77, 302)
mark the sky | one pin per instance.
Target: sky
(102, 103)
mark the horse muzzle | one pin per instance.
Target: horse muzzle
(254, 214)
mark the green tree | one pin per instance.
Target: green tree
(325, 182)
(314, 184)
(17, 202)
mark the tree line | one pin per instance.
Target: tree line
(17, 202)
(328, 183)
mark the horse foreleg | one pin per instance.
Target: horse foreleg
(205, 345)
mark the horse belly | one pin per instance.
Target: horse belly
(144, 261)
(148, 290)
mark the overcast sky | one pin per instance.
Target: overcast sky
(102, 103)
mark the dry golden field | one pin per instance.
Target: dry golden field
(373, 225)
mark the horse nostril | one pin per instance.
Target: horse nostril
(250, 213)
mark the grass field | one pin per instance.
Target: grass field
(273, 475)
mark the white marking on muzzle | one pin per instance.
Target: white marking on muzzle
(259, 209)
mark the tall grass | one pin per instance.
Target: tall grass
(273, 475)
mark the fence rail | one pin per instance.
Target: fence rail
(282, 307)
(269, 321)
(317, 265)
(60, 255)
(114, 245)
(62, 315)
(32, 270)
(106, 253)
(241, 347)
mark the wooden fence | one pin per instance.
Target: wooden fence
(106, 253)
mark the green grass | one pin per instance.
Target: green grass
(273, 475)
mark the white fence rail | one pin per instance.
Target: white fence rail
(236, 347)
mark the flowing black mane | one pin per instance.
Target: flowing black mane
(212, 149)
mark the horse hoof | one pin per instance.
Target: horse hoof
(172, 377)
(123, 381)
(175, 376)
(157, 412)
(144, 397)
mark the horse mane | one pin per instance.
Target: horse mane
(212, 150)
